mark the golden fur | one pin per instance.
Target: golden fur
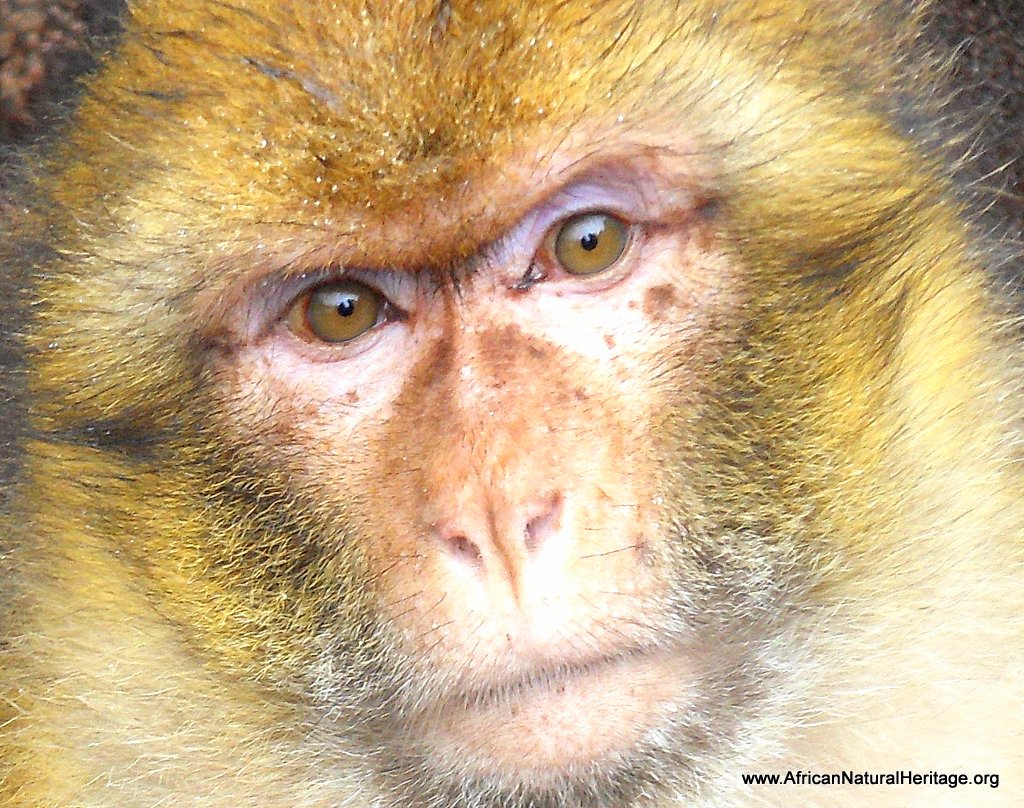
(840, 444)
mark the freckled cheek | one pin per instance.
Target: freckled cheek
(330, 427)
(686, 294)
(311, 417)
(678, 297)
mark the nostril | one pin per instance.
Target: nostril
(545, 525)
(461, 547)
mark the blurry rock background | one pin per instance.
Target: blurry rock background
(44, 45)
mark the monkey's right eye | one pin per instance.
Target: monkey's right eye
(590, 243)
(337, 311)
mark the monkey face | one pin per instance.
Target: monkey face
(541, 594)
(533, 418)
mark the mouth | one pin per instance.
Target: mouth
(563, 717)
(541, 679)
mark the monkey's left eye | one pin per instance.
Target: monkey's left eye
(338, 311)
(590, 242)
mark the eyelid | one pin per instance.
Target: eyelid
(622, 200)
(602, 279)
(315, 349)
(623, 203)
(275, 296)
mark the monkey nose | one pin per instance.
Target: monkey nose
(545, 525)
(501, 541)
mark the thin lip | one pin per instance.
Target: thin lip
(546, 678)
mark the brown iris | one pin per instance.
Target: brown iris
(338, 311)
(590, 243)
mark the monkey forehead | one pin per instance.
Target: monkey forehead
(364, 103)
(320, 114)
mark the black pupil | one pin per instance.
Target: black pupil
(347, 307)
(589, 241)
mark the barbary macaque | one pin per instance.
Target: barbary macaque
(511, 405)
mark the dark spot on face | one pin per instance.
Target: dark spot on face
(352, 397)
(580, 394)
(609, 340)
(703, 237)
(439, 364)
(659, 300)
(644, 551)
(509, 342)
